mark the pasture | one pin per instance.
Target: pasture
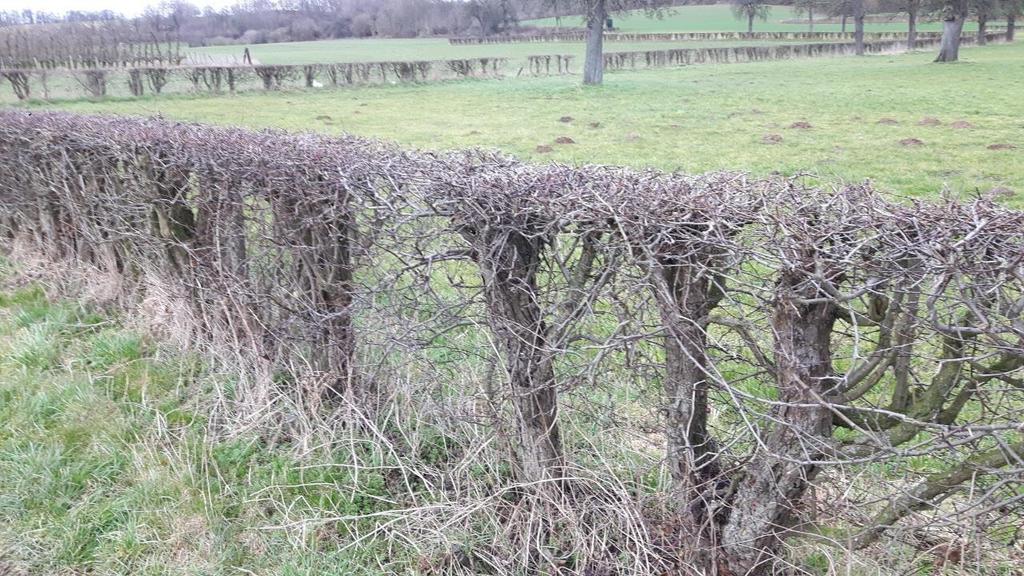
(879, 118)
(719, 18)
(388, 49)
(714, 18)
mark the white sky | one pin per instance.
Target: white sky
(127, 7)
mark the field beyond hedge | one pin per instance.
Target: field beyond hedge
(714, 18)
(911, 126)
(719, 17)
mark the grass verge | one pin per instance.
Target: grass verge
(108, 466)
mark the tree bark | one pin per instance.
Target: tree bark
(982, 29)
(20, 83)
(593, 66)
(750, 23)
(174, 222)
(912, 26)
(858, 30)
(681, 290)
(906, 336)
(952, 27)
(1011, 25)
(844, 24)
(509, 263)
(810, 17)
(325, 273)
(923, 494)
(778, 475)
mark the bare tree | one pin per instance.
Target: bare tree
(107, 44)
(1013, 10)
(20, 82)
(858, 10)
(954, 14)
(596, 13)
(493, 16)
(810, 8)
(842, 9)
(985, 10)
(750, 10)
(593, 61)
(913, 9)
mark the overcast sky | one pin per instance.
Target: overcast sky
(127, 7)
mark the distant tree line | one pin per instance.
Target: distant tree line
(265, 21)
(30, 39)
(952, 12)
(93, 44)
(29, 16)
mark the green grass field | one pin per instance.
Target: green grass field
(694, 119)
(715, 18)
(64, 86)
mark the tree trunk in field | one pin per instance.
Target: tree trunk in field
(912, 26)
(952, 27)
(844, 24)
(1011, 24)
(810, 17)
(750, 23)
(982, 29)
(593, 66)
(858, 27)
(858, 34)
(509, 267)
(778, 475)
(682, 294)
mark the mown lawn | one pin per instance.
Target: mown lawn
(910, 126)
